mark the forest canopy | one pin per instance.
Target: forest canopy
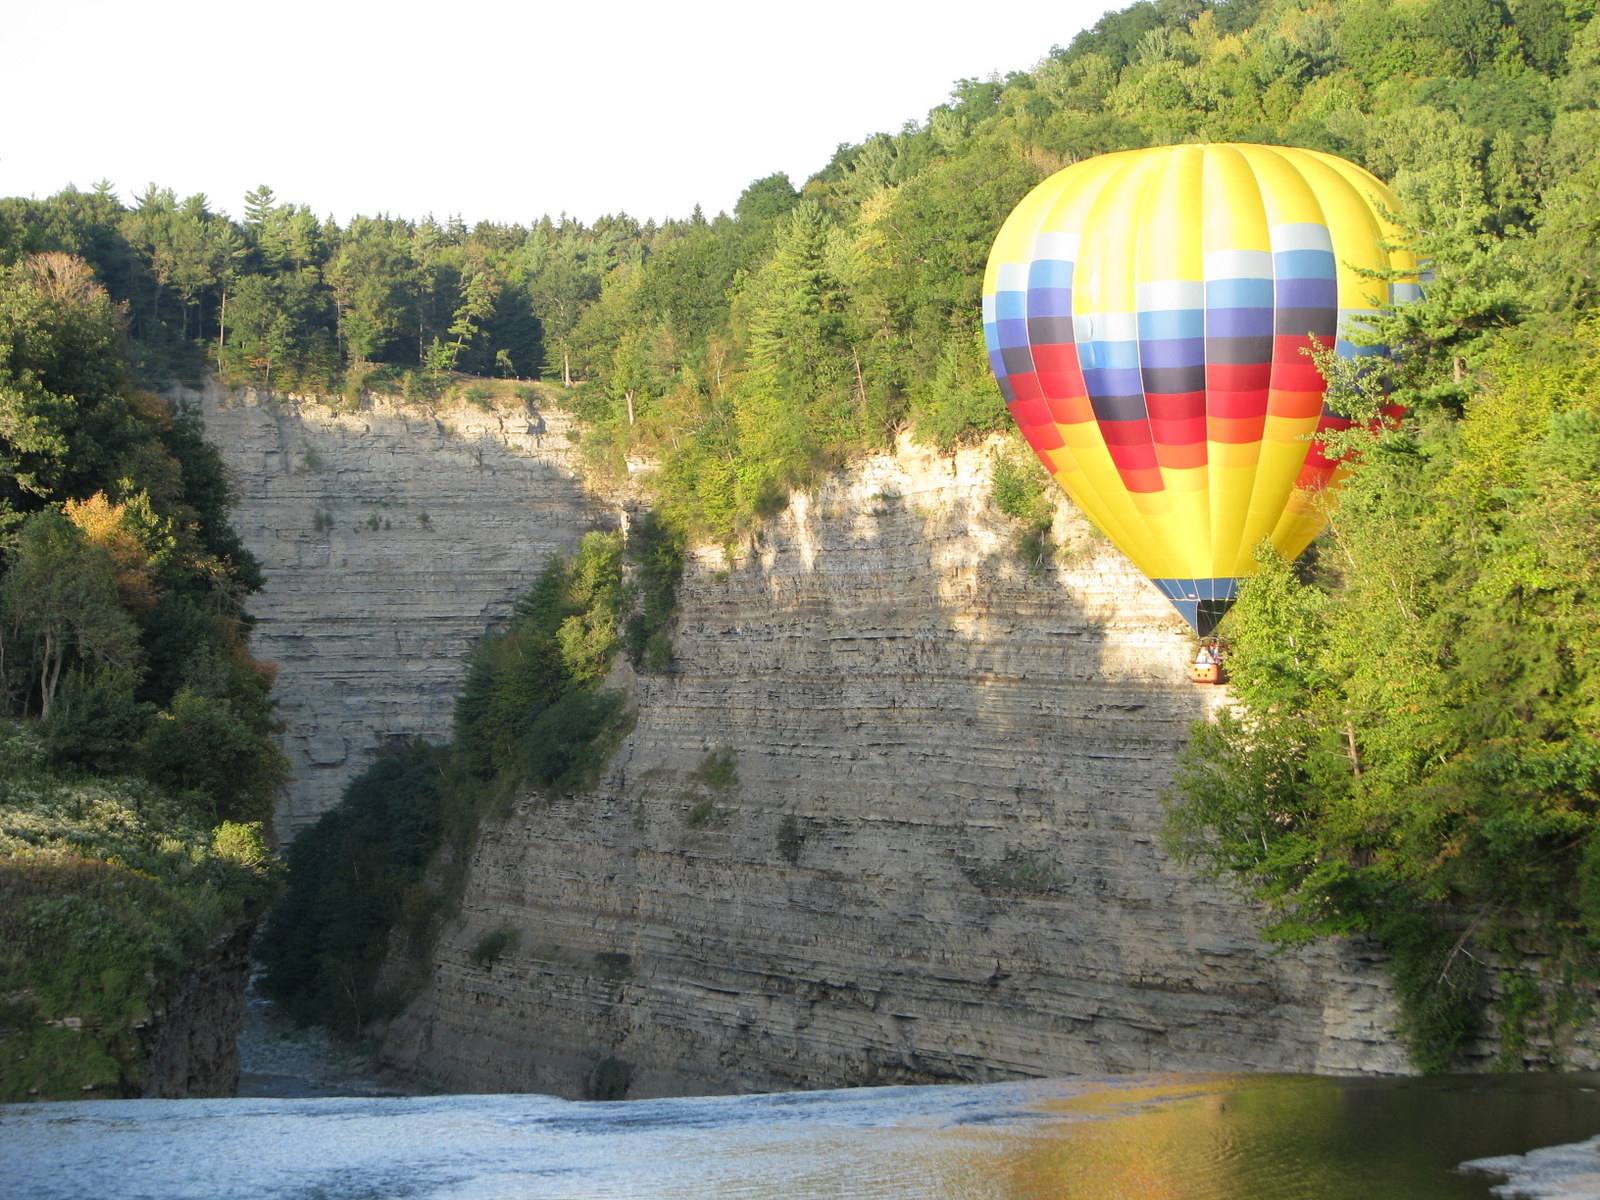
(748, 351)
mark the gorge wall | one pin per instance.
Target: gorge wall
(890, 817)
(391, 537)
(934, 856)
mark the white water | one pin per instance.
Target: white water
(868, 1143)
(1174, 1137)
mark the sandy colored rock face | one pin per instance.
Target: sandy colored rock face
(935, 854)
(938, 859)
(391, 538)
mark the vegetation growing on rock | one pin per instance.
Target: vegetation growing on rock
(369, 882)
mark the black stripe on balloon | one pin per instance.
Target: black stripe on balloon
(1018, 360)
(1119, 408)
(1298, 322)
(1050, 331)
(1175, 380)
(1239, 351)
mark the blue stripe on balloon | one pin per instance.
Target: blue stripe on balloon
(1010, 305)
(1201, 602)
(1308, 293)
(1105, 355)
(1050, 273)
(1049, 302)
(1012, 332)
(1303, 264)
(1172, 323)
(1238, 293)
(1238, 322)
(1225, 588)
(1113, 381)
(1173, 352)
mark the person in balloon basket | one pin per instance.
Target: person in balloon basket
(1207, 665)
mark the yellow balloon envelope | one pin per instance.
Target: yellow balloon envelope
(1148, 315)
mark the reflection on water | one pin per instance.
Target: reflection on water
(1308, 1138)
(1172, 1137)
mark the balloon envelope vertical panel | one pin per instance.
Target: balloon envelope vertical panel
(1149, 315)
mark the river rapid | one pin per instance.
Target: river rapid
(1183, 1137)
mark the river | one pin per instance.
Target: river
(1158, 1137)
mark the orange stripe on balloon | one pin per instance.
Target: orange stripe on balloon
(1070, 409)
(1182, 456)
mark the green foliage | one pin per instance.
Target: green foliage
(352, 877)
(207, 747)
(122, 651)
(1025, 874)
(657, 553)
(707, 814)
(1416, 757)
(371, 880)
(718, 769)
(109, 888)
(489, 948)
(558, 645)
(1022, 491)
(791, 839)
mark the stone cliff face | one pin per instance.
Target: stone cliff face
(891, 817)
(391, 538)
(192, 1047)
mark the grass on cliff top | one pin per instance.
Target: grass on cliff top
(108, 889)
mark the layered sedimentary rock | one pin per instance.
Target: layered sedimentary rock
(392, 537)
(890, 817)
(192, 1046)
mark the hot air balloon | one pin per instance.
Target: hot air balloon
(1147, 315)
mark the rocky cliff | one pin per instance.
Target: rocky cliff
(890, 817)
(391, 537)
(192, 1046)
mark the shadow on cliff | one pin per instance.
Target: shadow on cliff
(892, 816)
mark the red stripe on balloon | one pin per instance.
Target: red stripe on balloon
(1179, 433)
(1292, 369)
(1033, 411)
(1142, 479)
(1238, 377)
(1177, 418)
(1236, 405)
(1059, 356)
(1025, 385)
(1234, 430)
(1297, 406)
(1125, 433)
(1043, 437)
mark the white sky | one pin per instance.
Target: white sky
(486, 109)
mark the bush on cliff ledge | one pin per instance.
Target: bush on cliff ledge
(109, 888)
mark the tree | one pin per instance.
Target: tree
(63, 414)
(374, 281)
(59, 605)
